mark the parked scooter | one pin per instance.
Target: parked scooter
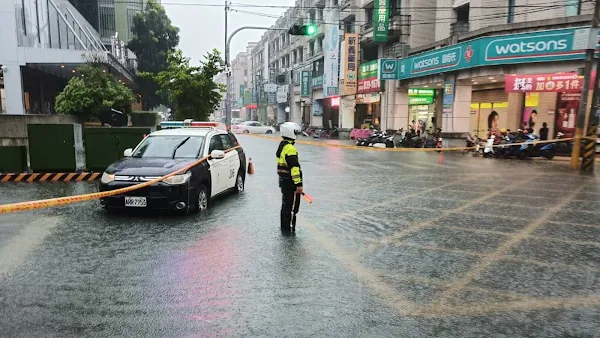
(379, 139)
(488, 151)
(547, 150)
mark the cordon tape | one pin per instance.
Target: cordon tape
(54, 202)
(347, 146)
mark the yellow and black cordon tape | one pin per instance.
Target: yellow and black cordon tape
(50, 177)
(54, 202)
(348, 146)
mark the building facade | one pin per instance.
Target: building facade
(43, 44)
(493, 65)
(361, 35)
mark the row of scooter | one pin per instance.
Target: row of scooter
(521, 145)
(410, 139)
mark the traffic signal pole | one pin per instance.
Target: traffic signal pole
(228, 69)
(589, 63)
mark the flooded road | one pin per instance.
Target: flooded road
(394, 245)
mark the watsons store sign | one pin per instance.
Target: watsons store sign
(544, 46)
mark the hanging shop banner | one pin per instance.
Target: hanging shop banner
(565, 83)
(317, 108)
(566, 117)
(317, 81)
(367, 78)
(448, 100)
(368, 98)
(247, 97)
(421, 92)
(305, 84)
(331, 48)
(419, 100)
(241, 97)
(350, 63)
(541, 46)
(381, 16)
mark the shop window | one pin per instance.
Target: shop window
(573, 7)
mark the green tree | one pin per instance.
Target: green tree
(154, 37)
(92, 91)
(191, 90)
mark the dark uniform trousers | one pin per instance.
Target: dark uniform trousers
(290, 201)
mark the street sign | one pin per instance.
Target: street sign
(541, 46)
(270, 87)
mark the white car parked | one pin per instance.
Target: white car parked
(253, 127)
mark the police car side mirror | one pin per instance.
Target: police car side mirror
(128, 152)
(217, 154)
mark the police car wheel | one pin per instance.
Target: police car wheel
(202, 201)
(246, 132)
(239, 183)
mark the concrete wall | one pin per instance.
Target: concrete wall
(13, 128)
(423, 31)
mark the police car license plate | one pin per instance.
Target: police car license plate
(135, 202)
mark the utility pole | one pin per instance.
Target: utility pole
(589, 63)
(589, 151)
(228, 66)
(227, 75)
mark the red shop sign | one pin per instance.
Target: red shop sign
(565, 83)
(369, 85)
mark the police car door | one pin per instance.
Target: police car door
(218, 168)
(232, 162)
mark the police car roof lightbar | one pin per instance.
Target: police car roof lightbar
(188, 124)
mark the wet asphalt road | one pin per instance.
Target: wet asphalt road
(394, 245)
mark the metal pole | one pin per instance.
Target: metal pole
(227, 65)
(589, 62)
(227, 75)
(589, 154)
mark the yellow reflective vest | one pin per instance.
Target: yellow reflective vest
(288, 166)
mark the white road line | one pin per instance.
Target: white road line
(15, 251)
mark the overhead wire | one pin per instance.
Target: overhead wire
(253, 5)
(412, 22)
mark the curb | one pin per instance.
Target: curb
(50, 177)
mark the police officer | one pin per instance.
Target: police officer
(290, 175)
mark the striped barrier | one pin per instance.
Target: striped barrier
(54, 202)
(50, 177)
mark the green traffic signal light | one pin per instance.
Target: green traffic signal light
(310, 30)
(307, 30)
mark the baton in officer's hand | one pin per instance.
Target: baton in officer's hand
(307, 197)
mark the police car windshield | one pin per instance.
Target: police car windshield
(170, 147)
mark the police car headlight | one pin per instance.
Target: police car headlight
(178, 179)
(107, 178)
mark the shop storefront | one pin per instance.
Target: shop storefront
(368, 99)
(477, 100)
(368, 111)
(421, 107)
(553, 99)
(489, 110)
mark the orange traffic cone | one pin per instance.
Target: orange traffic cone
(250, 166)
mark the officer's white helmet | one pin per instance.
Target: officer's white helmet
(290, 130)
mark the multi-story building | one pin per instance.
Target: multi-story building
(42, 45)
(430, 48)
(491, 64)
(111, 16)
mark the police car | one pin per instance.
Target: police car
(175, 146)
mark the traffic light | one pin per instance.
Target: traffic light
(307, 30)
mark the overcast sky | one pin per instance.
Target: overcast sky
(202, 27)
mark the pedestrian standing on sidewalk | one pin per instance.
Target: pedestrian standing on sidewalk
(290, 175)
(544, 132)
